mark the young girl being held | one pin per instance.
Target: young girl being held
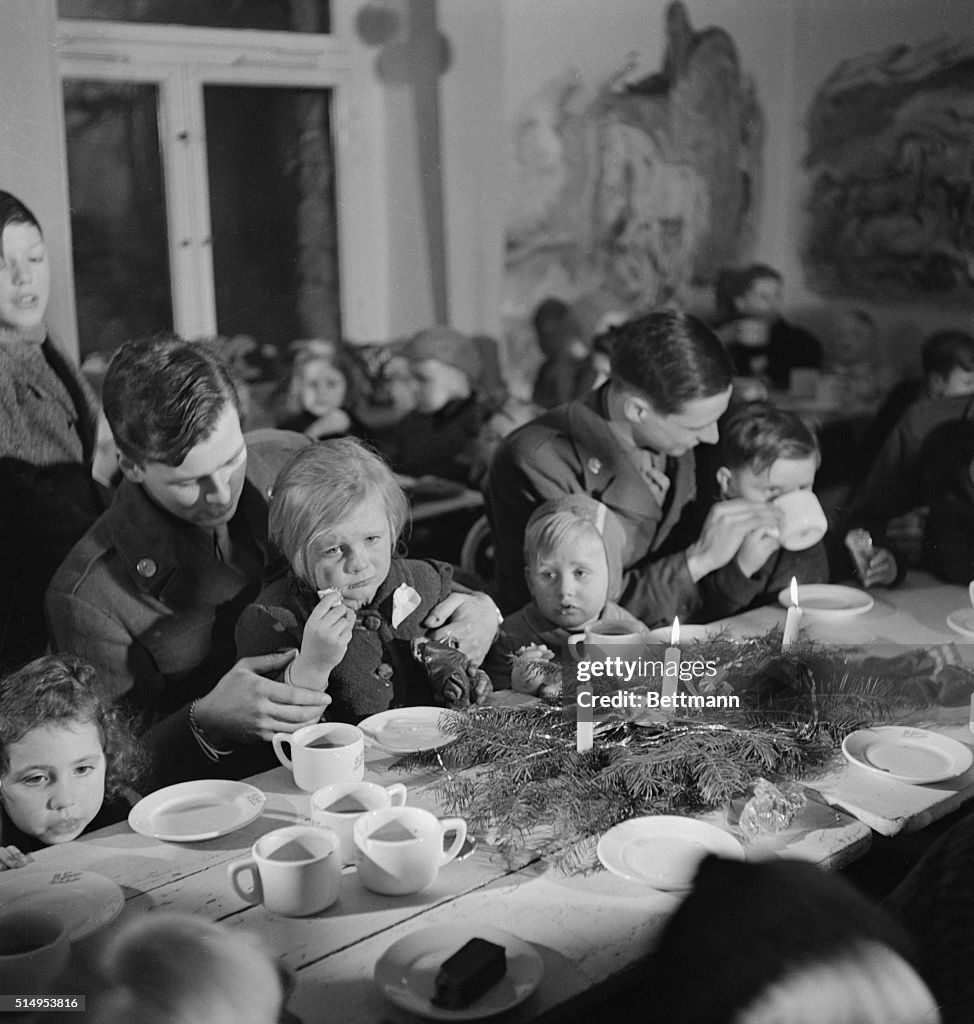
(349, 603)
(62, 753)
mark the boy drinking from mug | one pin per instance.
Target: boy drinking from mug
(762, 454)
(573, 567)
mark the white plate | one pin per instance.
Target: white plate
(663, 850)
(406, 730)
(190, 812)
(962, 621)
(828, 600)
(406, 972)
(83, 900)
(689, 633)
(910, 755)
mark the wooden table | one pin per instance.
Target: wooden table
(903, 618)
(588, 929)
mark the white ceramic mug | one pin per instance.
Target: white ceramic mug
(34, 949)
(604, 639)
(293, 871)
(353, 799)
(803, 522)
(399, 850)
(322, 754)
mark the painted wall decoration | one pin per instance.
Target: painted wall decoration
(630, 194)
(891, 160)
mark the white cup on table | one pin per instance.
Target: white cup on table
(340, 805)
(399, 850)
(34, 949)
(322, 754)
(294, 871)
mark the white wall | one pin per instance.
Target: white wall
(32, 160)
(506, 50)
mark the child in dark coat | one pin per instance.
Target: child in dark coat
(349, 603)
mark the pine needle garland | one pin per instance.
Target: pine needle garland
(515, 775)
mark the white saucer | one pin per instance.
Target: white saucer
(663, 850)
(190, 812)
(83, 900)
(828, 600)
(406, 972)
(407, 730)
(962, 621)
(917, 756)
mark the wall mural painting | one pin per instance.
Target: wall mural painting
(891, 161)
(633, 194)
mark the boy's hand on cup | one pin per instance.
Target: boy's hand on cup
(880, 569)
(757, 547)
(325, 639)
(723, 533)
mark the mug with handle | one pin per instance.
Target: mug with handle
(322, 754)
(605, 638)
(294, 871)
(399, 850)
(340, 805)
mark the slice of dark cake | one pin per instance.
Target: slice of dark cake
(469, 973)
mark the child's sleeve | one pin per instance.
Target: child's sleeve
(264, 629)
(497, 664)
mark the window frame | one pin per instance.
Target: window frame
(181, 61)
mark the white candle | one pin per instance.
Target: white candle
(793, 619)
(584, 724)
(671, 663)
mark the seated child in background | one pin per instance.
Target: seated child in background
(760, 342)
(317, 395)
(890, 503)
(856, 358)
(764, 452)
(349, 603)
(173, 968)
(573, 567)
(566, 352)
(439, 435)
(62, 752)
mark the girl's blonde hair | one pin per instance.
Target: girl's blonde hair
(172, 968)
(324, 484)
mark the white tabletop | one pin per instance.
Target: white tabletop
(587, 929)
(913, 615)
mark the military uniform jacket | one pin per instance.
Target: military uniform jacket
(143, 598)
(573, 450)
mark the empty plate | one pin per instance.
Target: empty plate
(190, 812)
(663, 850)
(917, 756)
(407, 730)
(406, 972)
(962, 621)
(828, 600)
(83, 900)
